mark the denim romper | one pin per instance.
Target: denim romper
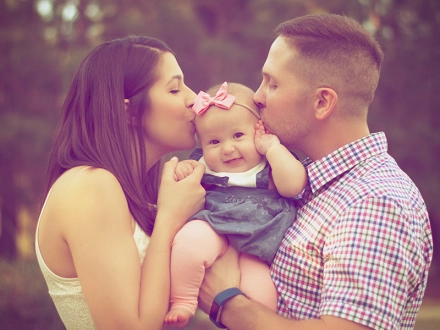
(253, 219)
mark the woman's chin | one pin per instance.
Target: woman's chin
(190, 145)
(184, 145)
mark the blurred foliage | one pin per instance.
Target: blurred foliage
(42, 42)
(25, 304)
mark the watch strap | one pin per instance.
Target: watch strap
(217, 305)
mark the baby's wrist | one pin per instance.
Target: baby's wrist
(272, 148)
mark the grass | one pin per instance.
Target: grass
(25, 303)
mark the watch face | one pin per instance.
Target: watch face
(217, 305)
(215, 314)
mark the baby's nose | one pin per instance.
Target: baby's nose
(228, 148)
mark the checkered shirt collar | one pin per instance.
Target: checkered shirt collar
(343, 159)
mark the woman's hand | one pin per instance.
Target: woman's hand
(179, 200)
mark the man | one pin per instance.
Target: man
(358, 254)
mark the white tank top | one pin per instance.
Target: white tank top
(67, 294)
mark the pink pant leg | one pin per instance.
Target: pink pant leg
(195, 248)
(256, 281)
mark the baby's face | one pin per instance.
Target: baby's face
(227, 138)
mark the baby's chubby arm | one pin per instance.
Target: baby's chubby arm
(184, 168)
(289, 175)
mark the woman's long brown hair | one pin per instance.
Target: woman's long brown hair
(94, 128)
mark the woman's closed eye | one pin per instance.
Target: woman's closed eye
(175, 91)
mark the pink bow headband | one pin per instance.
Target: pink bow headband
(221, 99)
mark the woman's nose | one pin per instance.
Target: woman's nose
(190, 97)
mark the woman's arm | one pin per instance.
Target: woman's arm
(97, 227)
(289, 175)
(177, 201)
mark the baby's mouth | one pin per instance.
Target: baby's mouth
(234, 161)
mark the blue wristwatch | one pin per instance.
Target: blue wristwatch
(217, 305)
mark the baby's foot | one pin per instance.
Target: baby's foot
(178, 317)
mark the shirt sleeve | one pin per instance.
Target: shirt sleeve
(371, 264)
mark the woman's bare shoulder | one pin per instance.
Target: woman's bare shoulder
(85, 179)
(84, 205)
(87, 176)
(88, 187)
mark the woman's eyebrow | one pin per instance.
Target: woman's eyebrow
(177, 76)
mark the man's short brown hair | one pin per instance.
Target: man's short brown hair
(335, 51)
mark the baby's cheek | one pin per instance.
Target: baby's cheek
(212, 159)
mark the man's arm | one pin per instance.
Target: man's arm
(241, 313)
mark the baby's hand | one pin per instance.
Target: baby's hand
(263, 139)
(183, 169)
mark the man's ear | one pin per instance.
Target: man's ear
(130, 119)
(325, 103)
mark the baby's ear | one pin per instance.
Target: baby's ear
(131, 120)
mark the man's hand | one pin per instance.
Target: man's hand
(264, 139)
(245, 314)
(222, 275)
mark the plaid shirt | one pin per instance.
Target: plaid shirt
(361, 246)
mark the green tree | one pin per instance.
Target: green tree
(29, 94)
(215, 41)
(405, 106)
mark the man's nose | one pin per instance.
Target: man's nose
(259, 99)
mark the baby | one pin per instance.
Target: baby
(249, 178)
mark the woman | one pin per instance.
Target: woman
(127, 107)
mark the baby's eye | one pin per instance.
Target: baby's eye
(214, 142)
(238, 135)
